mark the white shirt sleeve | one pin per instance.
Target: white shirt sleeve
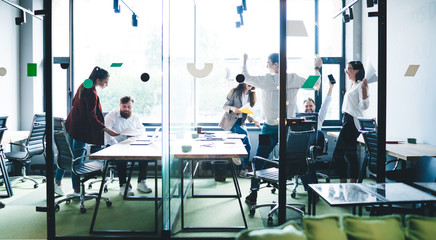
(267, 82)
(363, 103)
(323, 111)
(109, 122)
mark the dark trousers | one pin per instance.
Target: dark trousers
(264, 150)
(346, 146)
(122, 171)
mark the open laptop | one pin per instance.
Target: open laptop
(147, 141)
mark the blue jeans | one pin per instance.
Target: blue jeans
(237, 128)
(75, 144)
(265, 150)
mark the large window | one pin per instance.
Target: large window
(103, 37)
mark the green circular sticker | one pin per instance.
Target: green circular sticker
(88, 83)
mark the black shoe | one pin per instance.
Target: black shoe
(252, 198)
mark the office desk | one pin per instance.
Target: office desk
(9, 137)
(426, 186)
(14, 136)
(364, 194)
(206, 150)
(405, 151)
(124, 151)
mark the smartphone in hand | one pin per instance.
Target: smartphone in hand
(331, 78)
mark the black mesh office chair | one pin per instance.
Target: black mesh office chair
(86, 170)
(3, 169)
(32, 146)
(369, 132)
(300, 136)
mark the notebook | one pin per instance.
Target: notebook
(147, 141)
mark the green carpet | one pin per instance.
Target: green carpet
(139, 215)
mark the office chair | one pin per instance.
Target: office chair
(86, 170)
(33, 146)
(369, 132)
(3, 168)
(109, 180)
(300, 136)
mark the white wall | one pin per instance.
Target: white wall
(411, 101)
(9, 56)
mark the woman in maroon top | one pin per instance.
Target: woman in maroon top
(85, 122)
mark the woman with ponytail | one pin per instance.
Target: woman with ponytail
(85, 122)
(356, 100)
(234, 121)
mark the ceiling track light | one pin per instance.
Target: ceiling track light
(117, 9)
(351, 13)
(370, 3)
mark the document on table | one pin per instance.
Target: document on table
(132, 132)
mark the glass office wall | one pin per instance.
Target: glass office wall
(108, 37)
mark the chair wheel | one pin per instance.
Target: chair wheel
(1, 184)
(293, 195)
(303, 208)
(2, 205)
(252, 211)
(270, 220)
(35, 186)
(44, 180)
(90, 186)
(108, 204)
(105, 190)
(57, 207)
(82, 210)
(327, 180)
(68, 201)
(273, 190)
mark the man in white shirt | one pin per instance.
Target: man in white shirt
(269, 84)
(119, 120)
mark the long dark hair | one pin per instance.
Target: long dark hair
(97, 73)
(357, 65)
(252, 93)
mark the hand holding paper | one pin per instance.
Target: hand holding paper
(246, 109)
(132, 132)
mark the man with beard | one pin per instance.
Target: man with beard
(119, 120)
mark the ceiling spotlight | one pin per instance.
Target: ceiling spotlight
(134, 20)
(117, 8)
(244, 5)
(351, 13)
(239, 9)
(238, 24)
(22, 19)
(371, 3)
(345, 17)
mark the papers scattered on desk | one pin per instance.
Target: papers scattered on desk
(132, 132)
(246, 109)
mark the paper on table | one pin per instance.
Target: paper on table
(246, 109)
(132, 132)
(370, 73)
(310, 82)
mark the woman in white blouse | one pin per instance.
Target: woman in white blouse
(355, 102)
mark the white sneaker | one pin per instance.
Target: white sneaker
(58, 190)
(129, 191)
(142, 187)
(243, 173)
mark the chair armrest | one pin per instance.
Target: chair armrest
(18, 144)
(396, 161)
(275, 162)
(326, 146)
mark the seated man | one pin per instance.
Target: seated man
(119, 120)
(309, 106)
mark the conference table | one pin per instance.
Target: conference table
(401, 150)
(9, 137)
(229, 150)
(367, 194)
(226, 146)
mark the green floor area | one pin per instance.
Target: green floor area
(19, 220)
